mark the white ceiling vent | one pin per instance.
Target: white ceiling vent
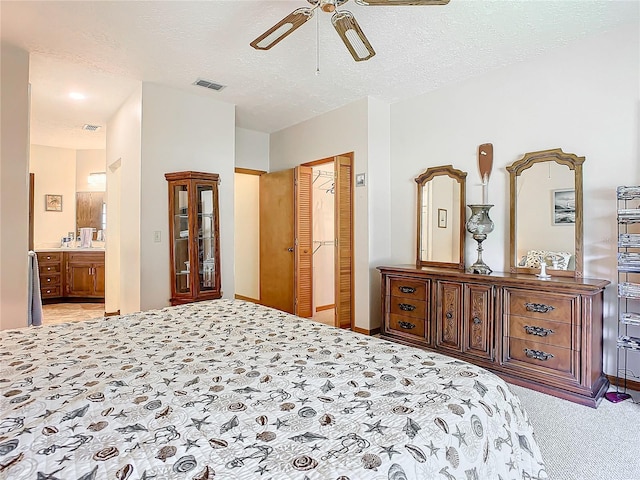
(91, 128)
(210, 85)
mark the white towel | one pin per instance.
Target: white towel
(86, 235)
(34, 315)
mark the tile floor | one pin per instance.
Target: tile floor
(70, 312)
(74, 312)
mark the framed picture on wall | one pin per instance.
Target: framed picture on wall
(442, 218)
(53, 203)
(564, 207)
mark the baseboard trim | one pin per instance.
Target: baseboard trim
(364, 331)
(247, 299)
(325, 307)
(620, 382)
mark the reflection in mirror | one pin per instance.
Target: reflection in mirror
(546, 213)
(91, 212)
(441, 215)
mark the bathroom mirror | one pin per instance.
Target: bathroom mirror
(546, 215)
(441, 217)
(91, 212)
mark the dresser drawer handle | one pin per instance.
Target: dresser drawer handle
(404, 289)
(406, 307)
(539, 307)
(538, 354)
(539, 331)
(406, 325)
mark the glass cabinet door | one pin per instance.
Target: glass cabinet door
(181, 238)
(206, 237)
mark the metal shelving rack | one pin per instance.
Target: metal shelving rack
(628, 283)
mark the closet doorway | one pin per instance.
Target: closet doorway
(306, 240)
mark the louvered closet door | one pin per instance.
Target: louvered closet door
(344, 241)
(304, 240)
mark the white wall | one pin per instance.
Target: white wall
(252, 149)
(89, 161)
(181, 132)
(122, 257)
(54, 172)
(301, 143)
(247, 235)
(583, 98)
(14, 186)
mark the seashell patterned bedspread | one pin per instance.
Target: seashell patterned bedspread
(232, 390)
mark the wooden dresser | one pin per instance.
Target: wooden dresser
(542, 334)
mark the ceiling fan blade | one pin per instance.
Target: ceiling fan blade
(345, 24)
(282, 29)
(387, 3)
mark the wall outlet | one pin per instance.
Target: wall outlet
(157, 237)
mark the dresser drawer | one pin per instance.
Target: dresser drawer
(49, 268)
(540, 331)
(50, 292)
(406, 325)
(408, 288)
(49, 280)
(541, 355)
(558, 308)
(49, 257)
(409, 307)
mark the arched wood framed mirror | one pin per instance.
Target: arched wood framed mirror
(441, 217)
(546, 213)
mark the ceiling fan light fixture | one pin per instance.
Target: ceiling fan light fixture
(282, 29)
(328, 6)
(352, 36)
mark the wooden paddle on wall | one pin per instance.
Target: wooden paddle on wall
(485, 160)
(485, 163)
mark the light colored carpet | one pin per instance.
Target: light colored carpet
(582, 443)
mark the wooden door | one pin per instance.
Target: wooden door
(344, 242)
(449, 316)
(303, 242)
(277, 242)
(286, 241)
(99, 279)
(80, 280)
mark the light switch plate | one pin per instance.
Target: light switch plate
(157, 236)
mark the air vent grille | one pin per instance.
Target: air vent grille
(91, 128)
(210, 85)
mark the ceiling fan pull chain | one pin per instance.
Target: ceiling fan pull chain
(317, 46)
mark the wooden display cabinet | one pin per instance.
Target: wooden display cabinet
(194, 236)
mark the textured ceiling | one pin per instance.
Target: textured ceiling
(105, 48)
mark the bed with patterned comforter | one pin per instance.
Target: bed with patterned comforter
(232, 390)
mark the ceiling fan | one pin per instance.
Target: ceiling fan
(343, 21)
